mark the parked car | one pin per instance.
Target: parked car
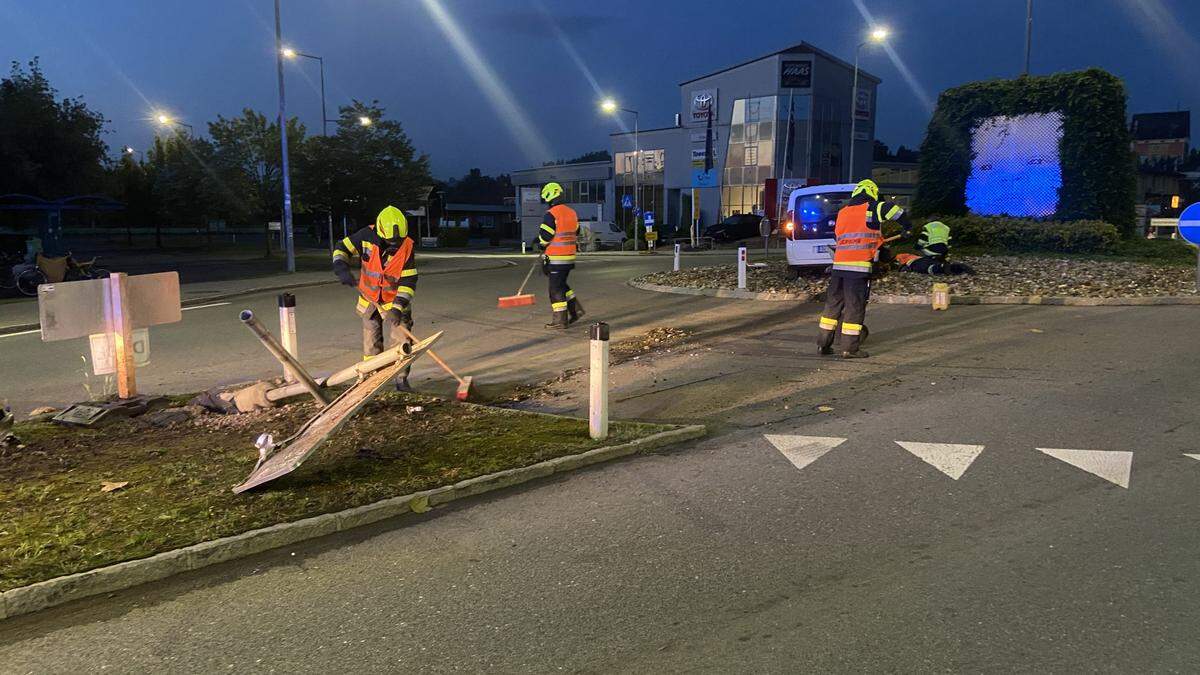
(605, 233)
(809, 226)
(736, 227)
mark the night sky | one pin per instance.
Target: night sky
(200, 59)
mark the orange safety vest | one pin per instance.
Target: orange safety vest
(378, 283)
(905, 258)
(856, 243)
(566, 229)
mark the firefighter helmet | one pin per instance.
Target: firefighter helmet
(391, 224)
(868, 186)
(551, 191)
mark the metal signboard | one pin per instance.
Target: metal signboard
(795, 75)
(627, 202)
(1189, 224)
(75, 309)
(649, 219)
(103, 360)
(703, 106)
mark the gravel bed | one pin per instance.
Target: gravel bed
(995, 275)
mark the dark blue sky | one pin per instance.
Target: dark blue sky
(200, 59)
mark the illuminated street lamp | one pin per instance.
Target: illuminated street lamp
(364, 121)
(168, 121)
(877, 36)
(290, 53)
(610, 107)
(129, 150)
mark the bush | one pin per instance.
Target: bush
(454, 237)
(1024, 235)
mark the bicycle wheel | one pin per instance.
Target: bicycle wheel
(29, 280)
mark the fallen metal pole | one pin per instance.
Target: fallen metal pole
(381, 360)
(289, 362)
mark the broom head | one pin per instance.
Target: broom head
(515, 300)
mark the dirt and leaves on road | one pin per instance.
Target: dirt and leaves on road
(995, 275)
(77, 499)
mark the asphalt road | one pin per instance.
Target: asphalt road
(728, 555)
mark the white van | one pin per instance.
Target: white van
(808, 227)
(601, 234)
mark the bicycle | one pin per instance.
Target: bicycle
(19, 275)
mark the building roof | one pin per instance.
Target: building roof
(481, 208)
(802, 48)
(1154, 126)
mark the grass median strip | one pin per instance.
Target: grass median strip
(78, 499)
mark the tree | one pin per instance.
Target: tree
(593, 156)
(362, 168)
(48, 148)
(475, 188)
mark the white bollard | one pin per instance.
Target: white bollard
(742, 267)
(522, 248)
(676, 268)
(287, 330)
(598, 383)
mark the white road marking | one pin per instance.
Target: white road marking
(215, 304)
(950, 458)
(1195, 457)
(24, 332)
(803, 450)
(1113, 466)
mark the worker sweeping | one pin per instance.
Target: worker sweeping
(858, 240)
(933, 251)
(556, 239)
(386, 283)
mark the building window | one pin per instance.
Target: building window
(751, 155)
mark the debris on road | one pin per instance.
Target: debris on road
(995, 275)
(111, 486)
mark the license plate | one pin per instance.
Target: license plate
(821, 249)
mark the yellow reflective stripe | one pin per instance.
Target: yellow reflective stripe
(562, 258)
(828, 324)
(853, 266)
(409, 273)
(350, 246)
(405, 290)
(548, 229)
(894, 212)
(386, 306)
(339, 254)
(570, 294)
(558, 306)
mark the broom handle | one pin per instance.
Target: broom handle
(433, 356)
(528, 274)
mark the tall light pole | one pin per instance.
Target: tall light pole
(877, 35)
(1028, 32)
(168, 121)
(610, 106)
(288, 241)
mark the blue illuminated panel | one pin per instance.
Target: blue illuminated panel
(1015, 168)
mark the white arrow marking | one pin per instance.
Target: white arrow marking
(1113, 466)
(1196, 457)
(803, 450)
(949, 458)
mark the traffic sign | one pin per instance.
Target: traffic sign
(649, 218)
(1189, 224)
(627, 202)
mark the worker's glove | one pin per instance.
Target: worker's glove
(345, 276)
(545, 264)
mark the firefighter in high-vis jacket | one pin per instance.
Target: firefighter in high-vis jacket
(933, 251)
(386, 282)
(858, 240)
(557, 239)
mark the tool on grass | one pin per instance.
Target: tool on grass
(464, 383)
(519, 300)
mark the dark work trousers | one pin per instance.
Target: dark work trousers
(845, 305)
(560, 292)
(383, 325)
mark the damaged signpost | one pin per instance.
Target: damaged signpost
(109, 312)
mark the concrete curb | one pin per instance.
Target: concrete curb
(1054, 300)
(205, 299)
(60, 590)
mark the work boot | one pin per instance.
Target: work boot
(402, 384)
(863, 338)
(575, 310)
(559, 320)
(825, 342)
(856, 354)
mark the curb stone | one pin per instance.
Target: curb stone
(120, 576)
(1053, 300)
(205, 299)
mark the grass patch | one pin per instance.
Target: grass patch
(1165, 252)
(55, 520)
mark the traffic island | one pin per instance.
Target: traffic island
(90, 511)
(998, 280)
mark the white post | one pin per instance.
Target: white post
(742, 267)
(676, 267)
(116, 316)
(522, 248)
(287, 330)
(598, 381)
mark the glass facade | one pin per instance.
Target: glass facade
(750, 160)
(650, 182)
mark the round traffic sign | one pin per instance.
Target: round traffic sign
(1189, 224)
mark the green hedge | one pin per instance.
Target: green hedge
(1098, 170)
(454, 237)
(1024, 235)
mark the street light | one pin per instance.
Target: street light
(878, 35)
(168, 121)
(610, 106)
(129, 150)
(364, 120)
(290, 53)
(289, 245)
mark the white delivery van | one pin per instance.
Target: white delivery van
(809, 224)
(601, 234)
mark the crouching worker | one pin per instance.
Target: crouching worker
(859, 237)
(933, 244)
(386, 282)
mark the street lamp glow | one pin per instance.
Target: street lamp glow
(879, 34)
(608, 105)
(128, 150)
(288, 52)
(163, 119)
(364, 121)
